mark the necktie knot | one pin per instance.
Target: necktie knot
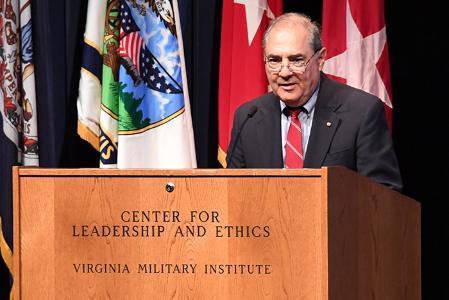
(293, 111)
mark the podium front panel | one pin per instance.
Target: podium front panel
(192, 234)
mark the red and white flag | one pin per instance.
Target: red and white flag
(357, 52)
(242, 72)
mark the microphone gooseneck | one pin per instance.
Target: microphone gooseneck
(251, 112)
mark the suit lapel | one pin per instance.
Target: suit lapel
(325, 123)
(268, 124)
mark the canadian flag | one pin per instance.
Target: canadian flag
(357, 52)
(242, 72)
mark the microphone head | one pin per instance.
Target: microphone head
(252, 110)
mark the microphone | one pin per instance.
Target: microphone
(251, 112)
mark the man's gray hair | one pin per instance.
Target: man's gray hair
(312, 27)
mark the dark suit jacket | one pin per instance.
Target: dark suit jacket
(357, 138)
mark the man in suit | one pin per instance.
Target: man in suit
(338, 124)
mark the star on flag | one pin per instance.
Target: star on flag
(358, 63)
(254, 11)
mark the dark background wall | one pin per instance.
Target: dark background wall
(416, 36)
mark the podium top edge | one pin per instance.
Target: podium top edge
(94, 172)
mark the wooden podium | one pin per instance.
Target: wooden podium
(212, 234)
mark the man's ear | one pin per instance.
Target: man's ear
(322, 57)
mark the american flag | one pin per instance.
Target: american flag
(132, 45)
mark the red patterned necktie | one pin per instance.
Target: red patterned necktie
(294, 158)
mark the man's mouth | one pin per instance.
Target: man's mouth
(287, 86)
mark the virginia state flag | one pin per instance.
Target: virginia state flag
(144, 120)
(357, 53)
(242, 71)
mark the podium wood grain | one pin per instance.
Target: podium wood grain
(333, 235)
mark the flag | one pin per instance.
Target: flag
(354, 34)
(155, 126)
(18, 133)
(8, 158)
(89, 97)
(17, 91)
(144, 119)
(242, 71)
(109, 114)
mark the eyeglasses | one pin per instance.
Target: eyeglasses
(295, 65)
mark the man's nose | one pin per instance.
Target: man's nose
(285, 70)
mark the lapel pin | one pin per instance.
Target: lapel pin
(328, 124)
